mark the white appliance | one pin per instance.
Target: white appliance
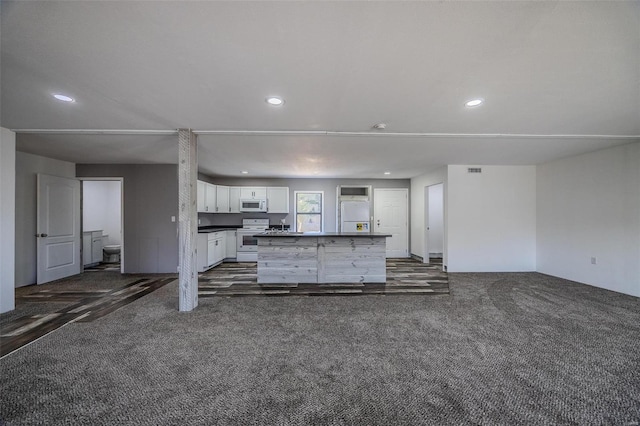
(257, 205)
(355, 216)
(247, 246)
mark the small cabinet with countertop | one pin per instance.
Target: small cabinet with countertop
(92, 244)
(211, 249)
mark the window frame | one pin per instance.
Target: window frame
(295, 210)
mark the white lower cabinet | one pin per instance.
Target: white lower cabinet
(91, 247)
(211, 249)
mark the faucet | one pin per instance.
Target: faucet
(282, 225)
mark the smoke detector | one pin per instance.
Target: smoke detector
(379, 126)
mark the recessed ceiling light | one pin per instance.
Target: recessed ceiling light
(244, 172)
(274, 100)
(474, 102)
(387, 173)
(63, 98)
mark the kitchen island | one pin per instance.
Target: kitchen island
(329, 257)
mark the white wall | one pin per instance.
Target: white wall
(7, 219)
(101, 208)
(589, 206)
(418, 185)
(491, 219)
(435, 195)
(27, 167)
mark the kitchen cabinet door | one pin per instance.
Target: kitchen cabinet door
(278, 200)
(200, 196)
(209, 198)
(253, 193)
(211, 252)
(219, 249)
(222, 199)
(234, 199)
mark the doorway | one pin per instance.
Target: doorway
(434, 224)
(391, 216)
(103, 224)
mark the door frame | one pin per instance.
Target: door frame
(425, 258)
(121, 180)
(406, 219)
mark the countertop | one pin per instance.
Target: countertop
(219, 228)
(210, 230)
(322, 234)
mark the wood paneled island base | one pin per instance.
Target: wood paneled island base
(322, 258)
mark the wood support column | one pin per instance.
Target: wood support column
(187, 219)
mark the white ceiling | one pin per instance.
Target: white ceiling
(559, 79)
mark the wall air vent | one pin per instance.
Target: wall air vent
(474, 170)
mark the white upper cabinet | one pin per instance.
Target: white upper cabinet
(225, 199)
(253, 192)
(206, 197)
(210, 198)
(278, 199)
(222, 199)
(200, 203)
(234, 199)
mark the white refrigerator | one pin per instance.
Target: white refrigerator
(355, 216)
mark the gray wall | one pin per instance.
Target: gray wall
(27, 167)
(150, 200)
(327, 185)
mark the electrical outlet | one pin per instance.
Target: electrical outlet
(173, 218)
(594, 260)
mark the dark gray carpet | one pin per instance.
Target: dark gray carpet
(501, 349)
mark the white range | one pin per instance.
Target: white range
(247, 244)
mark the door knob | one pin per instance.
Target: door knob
(42, 235)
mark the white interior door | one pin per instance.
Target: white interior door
(58, 228)
(391, 216)
(433, 222)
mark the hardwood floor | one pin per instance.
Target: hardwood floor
(404, 276)
(81, 306)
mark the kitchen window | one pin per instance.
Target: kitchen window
(309, 207)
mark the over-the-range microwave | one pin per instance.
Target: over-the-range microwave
(253, 205)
